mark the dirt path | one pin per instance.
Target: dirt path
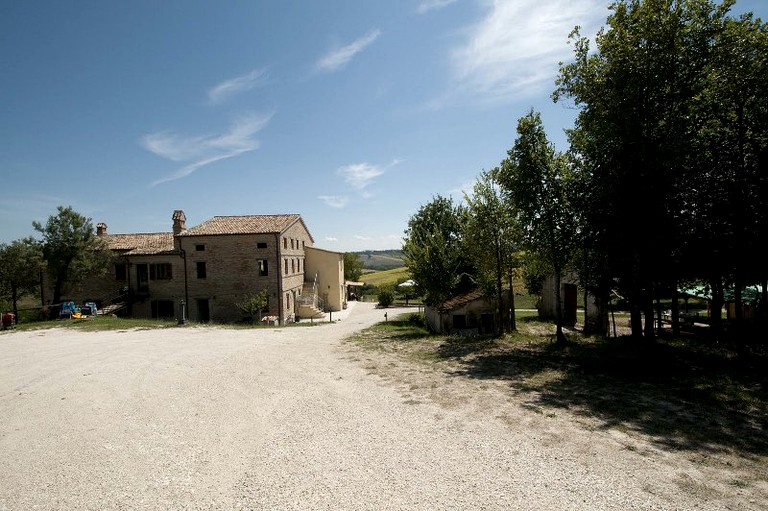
(208, 418)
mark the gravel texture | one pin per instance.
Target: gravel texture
(293, 418)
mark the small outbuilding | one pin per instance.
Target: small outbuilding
(469, 313)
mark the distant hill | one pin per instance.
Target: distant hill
(381, 259)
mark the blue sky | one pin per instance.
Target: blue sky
(351, 113)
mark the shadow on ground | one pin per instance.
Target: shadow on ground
(686, 393)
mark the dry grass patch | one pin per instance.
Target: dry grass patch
(681, 393)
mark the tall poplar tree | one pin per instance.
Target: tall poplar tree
(491, 239)
(535, 178)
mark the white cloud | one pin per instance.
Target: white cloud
(363, 238)
(457, 194)
(200, 151)
(338, 58)
(431, 5)
(516, 48)
(360, 175)
(243, 83)
(331, 239)
(334, 201)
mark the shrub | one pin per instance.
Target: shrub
(386, 295)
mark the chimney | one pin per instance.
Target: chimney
(101, 229)
(179, 222)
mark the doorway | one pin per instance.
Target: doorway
(203, 310)
(142, 278)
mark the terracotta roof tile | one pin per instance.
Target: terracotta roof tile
(457, 301)
(247, 224)
(141, 244)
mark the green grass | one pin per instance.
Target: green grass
(103, 323)
(378, 278)
(107, 323)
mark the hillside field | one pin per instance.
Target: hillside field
(381, 259)
(391, 276)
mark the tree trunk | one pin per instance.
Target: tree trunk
(560, 336)
(675, 311)
(716, 306)
(635, 314)
(499, 289)
(649, 331)
(57, 287)
(15, 300)
(512, 321)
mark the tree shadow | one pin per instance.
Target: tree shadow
(685, 393)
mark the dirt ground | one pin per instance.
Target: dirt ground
(297, 418)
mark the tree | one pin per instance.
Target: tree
(253, 305)
(639, 96)
(490, 238)
(20, 264)
(433, 251)
(535, 178)
(730, 162)
(71, 249)
(353, 267)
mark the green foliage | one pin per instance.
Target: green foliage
(353, 266)
(535, 179)
(71, 249)
(671, 142)
(20, 264)
(433, 250)
(253, 304)
(490, 236)
(386, 295)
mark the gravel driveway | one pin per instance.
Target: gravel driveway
(214, 418)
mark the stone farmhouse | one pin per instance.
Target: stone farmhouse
(201, 273)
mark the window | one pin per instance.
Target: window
(299, 265)
(292, 247)
(459, 321)
(263, 267)
(201, 270)
(121, 271)
(199, 248)
(285, 243)
(293, 265)
(261, 244)
(285, 272)
(160, 271)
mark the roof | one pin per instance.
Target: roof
(246, 224)
(458, 301)
(141, 244)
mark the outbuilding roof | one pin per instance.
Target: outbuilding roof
(458, 301)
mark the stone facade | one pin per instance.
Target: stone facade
(211, 267)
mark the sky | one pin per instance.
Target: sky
(353, 114)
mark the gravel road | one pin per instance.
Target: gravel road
(214, 418)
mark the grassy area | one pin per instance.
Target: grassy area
(685, 393)
(106, 323)
(378, 278)
(100, 323)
